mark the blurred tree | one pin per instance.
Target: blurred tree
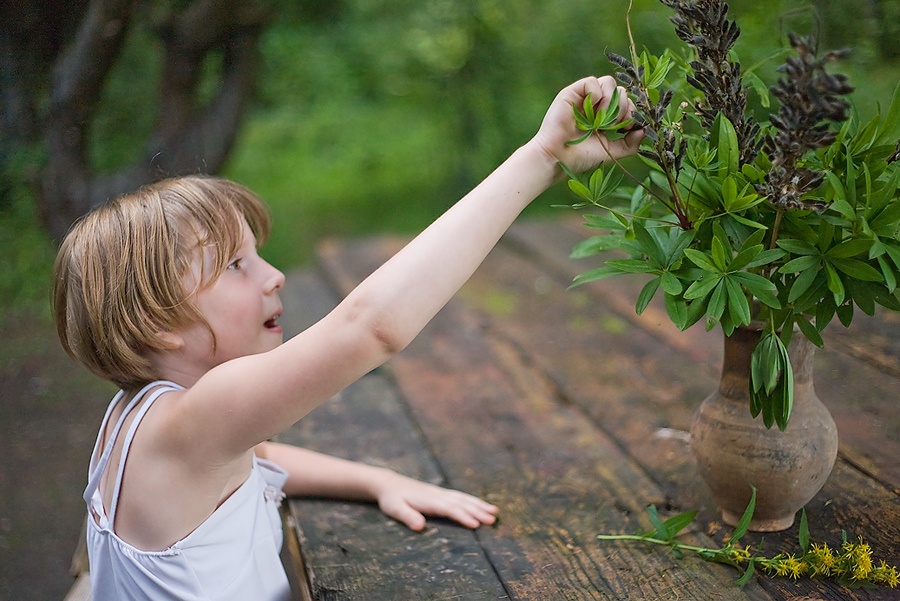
(55, 58)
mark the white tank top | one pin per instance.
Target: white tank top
(233, 555)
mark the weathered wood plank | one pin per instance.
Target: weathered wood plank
(351, 550)
(497, 425)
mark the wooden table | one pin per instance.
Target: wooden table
(571, 414)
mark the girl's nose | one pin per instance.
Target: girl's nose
(276, 279)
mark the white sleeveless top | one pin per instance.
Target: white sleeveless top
(233, 555)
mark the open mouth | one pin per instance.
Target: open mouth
(272, 323)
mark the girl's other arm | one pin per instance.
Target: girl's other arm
(406, 500)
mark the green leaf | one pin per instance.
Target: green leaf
(753, 281)
(810, 331)
(785, 397)
(803, 535)
(747, 575)
(580, 189)
(598, 273)
(845, 314)
(890, 124)
(678, 311)
(650, 246)
(716, 306)
(595, 245)
(802, 283)
(603, 222)
(725, 140)
(675, 251)
(657, 77)
(857, 269)
(738, 305)
(589, 110)
(646, 295)
(671, 284)
(741, 529)
(759, 86)
(679, 522)
(797, 247)
(701, 288)
(718, 254)
(744, 257)
(765, 257)
(749, 222)
(631, 265)
(581, 139)
(849, 248)
(890, 280)
(701, 260)
(662, 531)
(729, 193)
(800, 264)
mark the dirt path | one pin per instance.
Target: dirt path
(50, 409)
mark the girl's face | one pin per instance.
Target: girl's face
(242, 308)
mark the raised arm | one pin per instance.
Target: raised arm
(387, 310)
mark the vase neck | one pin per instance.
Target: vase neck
(738, 350)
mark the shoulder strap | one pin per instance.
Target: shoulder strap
(97, 467)
(129, 437)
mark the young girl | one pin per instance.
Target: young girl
(163, 292)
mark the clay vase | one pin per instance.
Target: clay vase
(735, 451)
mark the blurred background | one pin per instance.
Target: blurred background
(349, 117)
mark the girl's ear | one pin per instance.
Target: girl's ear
(172, 340)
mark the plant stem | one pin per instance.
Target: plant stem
(776, 227)
(655, 541)
(631, 45)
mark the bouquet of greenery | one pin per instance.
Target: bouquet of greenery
(784, 222)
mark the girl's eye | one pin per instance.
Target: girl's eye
(236, 264)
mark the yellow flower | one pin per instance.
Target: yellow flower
(821, 559)
(885, 574)
(860, 559)
(794, 566)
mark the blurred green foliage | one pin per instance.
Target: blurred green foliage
(375, 115)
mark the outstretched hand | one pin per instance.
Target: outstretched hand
(408, 501)
(558, 127)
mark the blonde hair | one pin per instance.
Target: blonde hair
(119, 275)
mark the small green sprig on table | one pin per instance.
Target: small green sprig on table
(852, 565)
